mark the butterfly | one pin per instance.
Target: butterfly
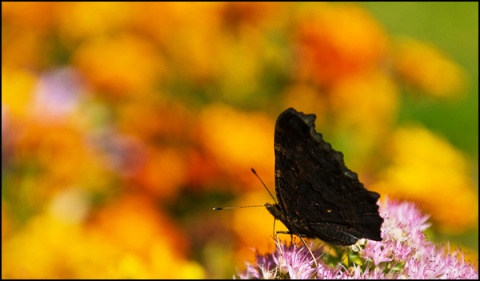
(318, 196)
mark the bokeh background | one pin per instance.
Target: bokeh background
(124, 124)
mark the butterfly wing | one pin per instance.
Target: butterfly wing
(318, 196)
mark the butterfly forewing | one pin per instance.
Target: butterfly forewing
(318, 196)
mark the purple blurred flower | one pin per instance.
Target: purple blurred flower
(57, 94)
(403, 253)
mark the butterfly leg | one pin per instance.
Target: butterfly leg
(310, 250)
(303, 241)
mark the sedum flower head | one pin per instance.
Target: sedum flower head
(403, 253)
(292, 261)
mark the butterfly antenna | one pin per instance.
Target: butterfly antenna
(235, 207)
(255, 173)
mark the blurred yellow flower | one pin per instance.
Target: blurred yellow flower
(129, 239)
(360, 109)
(428, 170)
(194, 45)
(424, 66)
(364, 109)
(119, 65)
(17, 91)
(80, 20)
(368, 103)
(39, 249)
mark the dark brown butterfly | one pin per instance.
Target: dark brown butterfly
(318, 196)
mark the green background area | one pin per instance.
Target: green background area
(452, 27)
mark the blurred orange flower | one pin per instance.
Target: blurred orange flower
(163, 174)
(26, 27)
(238, 142)
(335, 41)
(154, 118)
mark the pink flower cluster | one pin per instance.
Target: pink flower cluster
(404, 253)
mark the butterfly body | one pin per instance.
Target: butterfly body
(318, 196)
